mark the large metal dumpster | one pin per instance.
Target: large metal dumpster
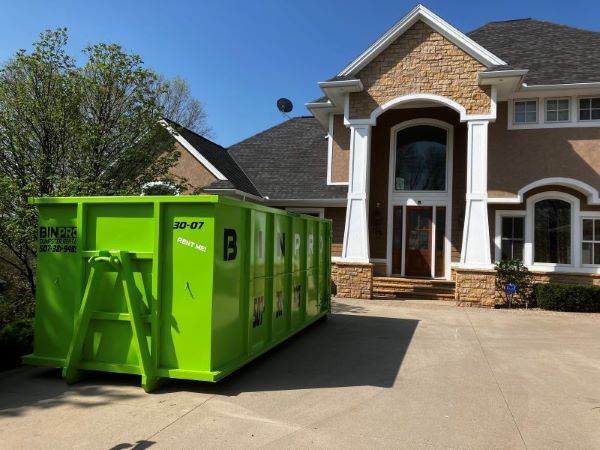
(189, 287)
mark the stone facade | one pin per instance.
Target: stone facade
(477, 287)
(421, 61)
(353, 280)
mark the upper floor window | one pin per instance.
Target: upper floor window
(589, 108)
(420, 159)
(552, 232)
(557, 110)
(525, 111)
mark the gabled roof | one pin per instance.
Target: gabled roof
(288, 161)
(554, 54)
(421, 13)
(215, 158)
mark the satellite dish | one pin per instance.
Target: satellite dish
(284, 105)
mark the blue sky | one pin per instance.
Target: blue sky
(241, 56)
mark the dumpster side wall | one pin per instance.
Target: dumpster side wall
(187, 254)
(59, 286)
(231, 275)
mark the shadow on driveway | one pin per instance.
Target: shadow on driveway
(347, 350)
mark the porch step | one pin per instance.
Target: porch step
(413, 288)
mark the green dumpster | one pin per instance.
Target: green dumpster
(189, 287)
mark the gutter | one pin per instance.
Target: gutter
(551, 87)
(235, 193)
(331, 202)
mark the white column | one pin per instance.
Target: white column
(356, 233)
(476, 232)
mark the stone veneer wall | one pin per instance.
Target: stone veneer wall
(421, 61)
(353, 280)
(477, 287)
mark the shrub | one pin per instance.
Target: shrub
(513, 271)
(568, 297)
(16, 340)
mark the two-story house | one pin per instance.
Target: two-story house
(437, 153)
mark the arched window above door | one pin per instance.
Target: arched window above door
(421, 158)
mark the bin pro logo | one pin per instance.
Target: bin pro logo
(58, 239)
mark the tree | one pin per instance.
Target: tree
(80, 130)
(179, 106)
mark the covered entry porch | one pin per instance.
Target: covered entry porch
(419, 170)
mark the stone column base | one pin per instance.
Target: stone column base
(353, 280)
(475, 287)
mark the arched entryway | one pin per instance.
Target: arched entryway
(420, 198)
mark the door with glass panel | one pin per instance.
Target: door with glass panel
(425, 237)
(419, 227)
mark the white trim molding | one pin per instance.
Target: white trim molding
(593, 196)
(420, 12)
(356, 230)
(475, 252)
(433, 98)
(498, 230)
(528, 250)
(192, 151)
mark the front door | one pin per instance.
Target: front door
(418, 240)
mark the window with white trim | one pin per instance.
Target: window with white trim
(525, 111)
(552, 231)
(557, 110)
(590, 241)
(589, 108)
(512, 237)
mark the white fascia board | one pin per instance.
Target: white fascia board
(235, 193)
(331, 202)
(195, 153)
(348, 85)
(419, 12)
(501, 74)
(556, 87)
(318, 105)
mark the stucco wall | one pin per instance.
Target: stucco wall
(340, 150)
(380, 153)
(519, 157)
(191, 169)
(421, 61)
(338, 217)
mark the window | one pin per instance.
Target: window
(557, 110)
(552, 231)
(589, 108)
(420, 159)
(512, 237)
(590, 241)
(525, 111)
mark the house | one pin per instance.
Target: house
(437, 153)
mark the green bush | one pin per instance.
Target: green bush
(513, 271)
(16, 340)
(568, 297)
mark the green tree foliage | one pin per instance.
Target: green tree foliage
(90, 129)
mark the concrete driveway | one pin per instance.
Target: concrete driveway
(377, 374)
